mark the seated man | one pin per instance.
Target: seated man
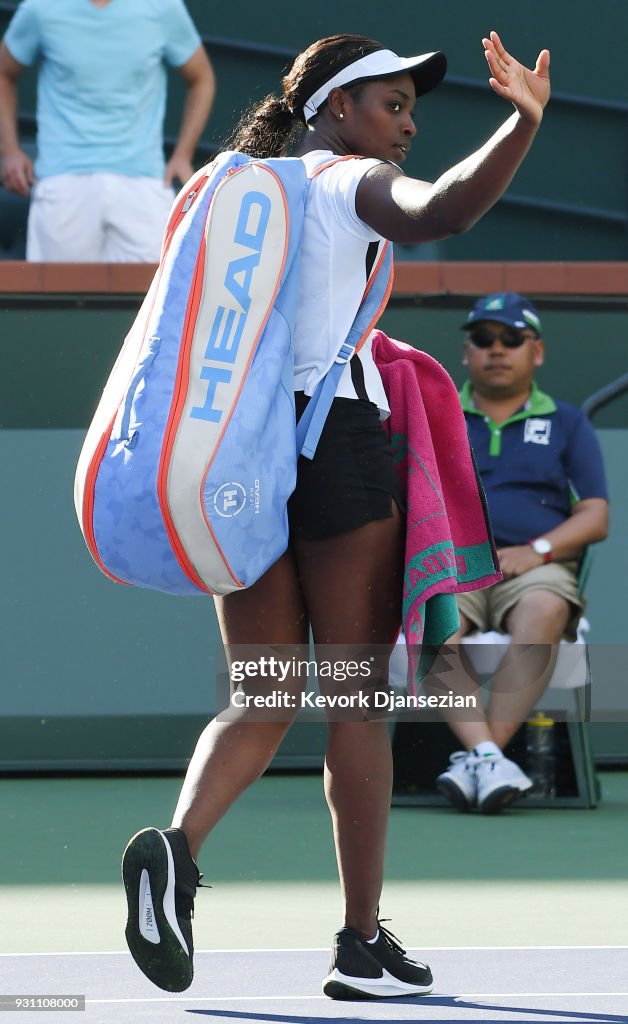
(541, 467)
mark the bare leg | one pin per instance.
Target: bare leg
(353, 588)
(462, 679)
(230, 755)
(358, 788)
(536, 624)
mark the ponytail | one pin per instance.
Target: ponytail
(265, 130)
(274, 126)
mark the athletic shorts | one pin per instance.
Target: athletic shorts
(487, 609)
(97, 218)
(351, 480)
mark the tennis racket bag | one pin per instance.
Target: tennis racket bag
(184, 477)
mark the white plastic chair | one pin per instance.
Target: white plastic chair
(571, 672)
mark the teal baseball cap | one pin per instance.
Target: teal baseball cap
(506, 308)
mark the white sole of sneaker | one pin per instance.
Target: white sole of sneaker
(343, 986)
(169, 907)
(153, 934)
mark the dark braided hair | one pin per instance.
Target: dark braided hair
(270, 127)
(267, 129)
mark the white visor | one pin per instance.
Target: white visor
(427, 70)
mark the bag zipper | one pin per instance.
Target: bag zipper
(174, 417)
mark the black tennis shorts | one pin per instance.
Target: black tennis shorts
(351, 480)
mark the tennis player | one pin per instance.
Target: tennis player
(342, 574)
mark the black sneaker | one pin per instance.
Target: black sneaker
(377, 970)
(161, 879)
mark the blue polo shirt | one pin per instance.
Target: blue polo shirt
(101, 88)
(535, 465)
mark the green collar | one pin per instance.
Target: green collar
(538, 404)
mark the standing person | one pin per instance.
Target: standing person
(542, 471)
(100, 188)
(342, 574)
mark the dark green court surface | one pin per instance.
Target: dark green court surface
(529, 877)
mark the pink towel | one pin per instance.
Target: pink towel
(449, 546)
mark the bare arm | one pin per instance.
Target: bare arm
(587, 524)
(17, 167)
(201, 88)
(407, 210)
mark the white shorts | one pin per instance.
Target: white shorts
(97, 218)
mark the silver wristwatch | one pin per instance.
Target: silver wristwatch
(543, 547)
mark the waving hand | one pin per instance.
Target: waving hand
(527, 90)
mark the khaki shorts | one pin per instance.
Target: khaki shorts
(487, 609)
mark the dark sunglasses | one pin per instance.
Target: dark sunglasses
(510, 339)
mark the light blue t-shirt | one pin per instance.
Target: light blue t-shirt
(101, 92)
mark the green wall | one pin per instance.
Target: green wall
(579, 158)
(57, 357)
(100, 676)
(97, 675)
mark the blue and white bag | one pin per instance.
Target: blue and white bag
(187, 467)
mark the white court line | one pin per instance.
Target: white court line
(529, 995)
(434, 995)
(201, 999)
(316, 949)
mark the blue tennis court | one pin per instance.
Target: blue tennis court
(549, 984)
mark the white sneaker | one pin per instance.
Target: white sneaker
(459, 783)
(500, 782)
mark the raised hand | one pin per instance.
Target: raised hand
(527, 90)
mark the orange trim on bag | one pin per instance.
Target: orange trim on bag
(385, 299)
(374, 272)
(330, 163)
(88, 502)
(174, 417)
(100, 449)
(177, 215)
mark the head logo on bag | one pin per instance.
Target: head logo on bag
(185, 474)
(229, 499)
(229, 321)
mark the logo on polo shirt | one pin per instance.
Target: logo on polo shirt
(537, 431)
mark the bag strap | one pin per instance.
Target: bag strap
(310, 426)
(374, 299)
